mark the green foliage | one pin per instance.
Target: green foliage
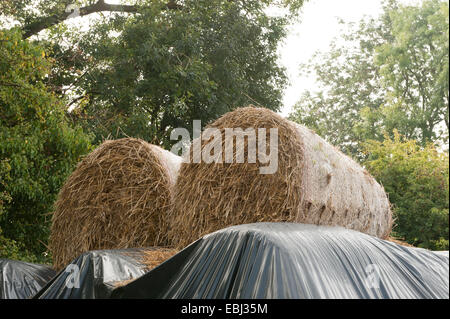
(137, 74)
(389, 76)
(383, 74)
(4, 178)
(417, 181)
(144, 74)
(414, 68)
(10, 249)
(28, 11)
(38, 147)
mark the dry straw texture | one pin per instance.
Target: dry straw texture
(315, 183)
(155, 257)
(117, 197)
(150, 258)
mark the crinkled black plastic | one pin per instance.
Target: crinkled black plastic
(93, 275)
(287, 260)
(22, 280)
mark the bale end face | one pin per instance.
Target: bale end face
(117, 197)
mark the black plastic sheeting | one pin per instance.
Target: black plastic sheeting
(22, 280)
(287, 260)
(94, 274)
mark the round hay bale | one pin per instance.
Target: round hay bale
(117, 197)
(315, 183)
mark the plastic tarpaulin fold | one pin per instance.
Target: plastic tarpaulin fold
(287, 260)
(94, 274)
(22, 280)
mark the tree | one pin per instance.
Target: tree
(63, 10)
(390, 73)
(146, 74)
(414, 67)
(152, 65)
(417, 181)
(142, 69)
(38, 148)
(37, 15)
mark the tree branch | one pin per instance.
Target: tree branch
(9, 84)
(100, 6)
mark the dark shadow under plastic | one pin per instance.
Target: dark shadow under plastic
(288, 260)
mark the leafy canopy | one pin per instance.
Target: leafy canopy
(417, 181)
(141, 75)
(38, 148)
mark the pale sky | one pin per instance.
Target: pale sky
(318, 26)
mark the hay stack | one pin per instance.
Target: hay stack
(315, 183)
(117, 197)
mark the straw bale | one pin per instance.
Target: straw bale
(315, 183)
(117, 197)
